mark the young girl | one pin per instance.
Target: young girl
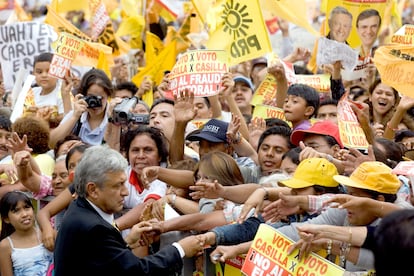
(21, 251)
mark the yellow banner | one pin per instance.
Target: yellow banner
(153, 46)
(268, 256)
(321, 82)
(292, 11)
(355, 7)
(266, 90)
(268, 111)
(164, 61)
(89, 54)
(404, 35)
(351, 133)
(242, 33)
(395, 64)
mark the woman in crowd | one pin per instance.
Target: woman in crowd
(88, 119)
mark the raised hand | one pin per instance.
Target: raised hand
(15, 144)
(184, 110)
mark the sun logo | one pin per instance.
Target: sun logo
(235, 19)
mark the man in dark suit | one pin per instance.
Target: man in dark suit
(88, 243)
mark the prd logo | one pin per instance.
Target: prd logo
(235, 19)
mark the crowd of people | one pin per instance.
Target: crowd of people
(87, 191)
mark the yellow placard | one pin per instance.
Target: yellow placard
(268, 256)
(268, 111)
(265, 91)
(404, 35)
(321, 82)
(395, 64)
(355, 7)
(242, 32)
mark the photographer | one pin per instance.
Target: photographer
(127, 113)
(88, 119)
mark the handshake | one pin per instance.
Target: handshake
(146, 232)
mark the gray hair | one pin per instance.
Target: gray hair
(339, 10)
(96, 163)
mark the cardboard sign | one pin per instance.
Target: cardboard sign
(330, 51)
(66, 48)
(20, 43)
(268, 111)
(320, 82)
(265, 91)
(199, 71)
(268, 256)
(351, 133)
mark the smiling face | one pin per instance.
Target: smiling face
(382, 99)
(270, 153)
(340, 26)
(242, 94)
(60, 177)
(368, 30)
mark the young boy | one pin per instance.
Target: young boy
(301, 103)
(45, 99)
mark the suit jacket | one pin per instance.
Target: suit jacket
(86, 244)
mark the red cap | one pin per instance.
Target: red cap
(325, 127)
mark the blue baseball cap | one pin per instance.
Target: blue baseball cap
(213, 131)
(247, 81)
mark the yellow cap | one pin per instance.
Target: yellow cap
(372, 175)
(313, 171)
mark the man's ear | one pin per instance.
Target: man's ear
(92, 190)
(309, 110)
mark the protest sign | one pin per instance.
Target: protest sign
(199, 71)
(351, 133)
(268, 256)
(241, 32)
(20, 43)
(404, 35)
(266, 91)
(395, 66)
(330, 51)
(199, 123)
(268, 111)
(66, 49)
(321, 82)
(355, 7)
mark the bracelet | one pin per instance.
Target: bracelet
(344, 251)
(266, 196)
(238, 139)
(329, 248)
(390, 128)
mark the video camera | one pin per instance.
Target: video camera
(122, 115)
(93, 101)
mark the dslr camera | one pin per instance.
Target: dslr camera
(93, 101)
(121, 114)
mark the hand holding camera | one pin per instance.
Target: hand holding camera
(122, 114)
